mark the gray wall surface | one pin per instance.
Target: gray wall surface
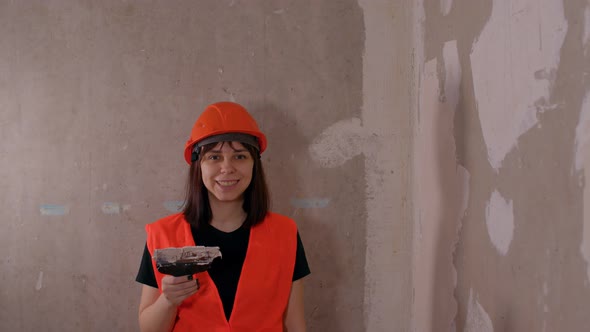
(432, 153)
(97, 100)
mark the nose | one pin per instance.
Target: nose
(227, 166)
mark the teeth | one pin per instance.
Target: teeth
(227, 183)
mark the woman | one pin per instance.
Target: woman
(257, 285)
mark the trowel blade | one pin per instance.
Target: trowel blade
(185, 260)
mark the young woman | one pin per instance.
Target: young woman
(257, 284)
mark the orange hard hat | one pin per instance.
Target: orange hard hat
(220, 119)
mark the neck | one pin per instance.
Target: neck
(227, 216)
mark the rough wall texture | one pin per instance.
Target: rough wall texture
(434, 154)
(96, 102)
(500, 156)
(381, 134)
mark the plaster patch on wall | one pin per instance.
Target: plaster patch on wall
(445, 6)
(582, 161)
(521, 40)
(452, 73)
(500, 222)
(385, 284)
(111, 208)
(338, 143)
(428, 198)
(53, 210)
(478, 319)
(440, 194)
(174, 206)
(310, 203)
(39, 284)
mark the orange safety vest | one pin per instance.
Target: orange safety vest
(264, 285)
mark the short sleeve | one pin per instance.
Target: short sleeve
(301, 267)
(146, 275)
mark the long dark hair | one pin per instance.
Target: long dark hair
(197, 210)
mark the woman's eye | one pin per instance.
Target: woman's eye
(241, 156)
(213, 157)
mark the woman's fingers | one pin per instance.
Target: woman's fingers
(176, 289)
(171, 280)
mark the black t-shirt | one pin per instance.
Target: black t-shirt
(224, 272)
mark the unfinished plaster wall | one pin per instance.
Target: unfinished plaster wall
(96, 102)
(500, 161)
(381, 135)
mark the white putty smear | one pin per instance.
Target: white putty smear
(39, 284)
(513, 63)
(478, 319)
(338, 143)
(500, 222)
(582, 162)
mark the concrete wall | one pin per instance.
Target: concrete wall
(433, 153)
(500, 198)
(98, 98)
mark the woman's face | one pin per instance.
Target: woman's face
(227, 171)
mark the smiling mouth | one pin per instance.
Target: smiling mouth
(227, 183)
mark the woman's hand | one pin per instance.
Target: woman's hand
(177, 289)
(157, 311)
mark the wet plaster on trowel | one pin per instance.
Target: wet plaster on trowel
(441, 196)
(514, 63)
(582, 162)
(381, 139)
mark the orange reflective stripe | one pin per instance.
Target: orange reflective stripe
(264, 285)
